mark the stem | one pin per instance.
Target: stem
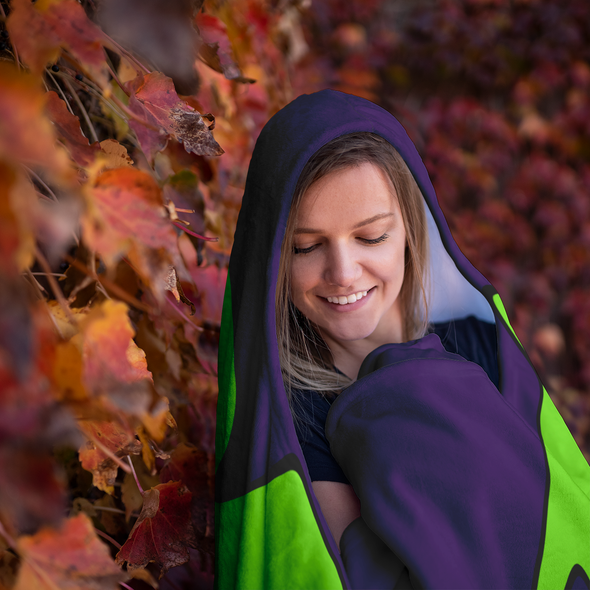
(82, 109)
(135, 475)
(43, 274)
(60, 91)
(108, 538)
(116, 79)
(192, 233)
(127, 54)
(132, 115)
(54, 286)
(42, 183)
(184, 316)
(109, 509)
(125, 586)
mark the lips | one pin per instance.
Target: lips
(346, 299)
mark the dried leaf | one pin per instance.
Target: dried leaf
(163, 531)
(39, 30)
(114, 155)
(119, 441)
(68, 129)
(154, 99)
(69, 558)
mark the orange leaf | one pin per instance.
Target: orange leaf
(40, 29)
(163, 532)
(69, 558)
(26, 135)
(126, 207)
(111, 436)
(154, 99)
(68, 129)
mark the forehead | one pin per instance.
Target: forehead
(350, 194)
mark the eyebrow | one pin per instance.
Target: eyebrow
(309, 230)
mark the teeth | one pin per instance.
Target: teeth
(350, 299)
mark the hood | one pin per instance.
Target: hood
(270, 532)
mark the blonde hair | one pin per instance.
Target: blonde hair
(306, 361)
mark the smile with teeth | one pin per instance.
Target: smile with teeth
(344, 300)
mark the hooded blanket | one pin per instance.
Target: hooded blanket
(461, 484)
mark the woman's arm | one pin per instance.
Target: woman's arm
(339, 504)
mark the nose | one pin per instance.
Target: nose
(342, 268)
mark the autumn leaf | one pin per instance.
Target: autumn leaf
(32, 490)
(69, 558)
(39, 30)
(126, 214)
(163, 532)
(26, 135)
(216, 50)
(68, 129)
(113, 154)
(154, 100)
(102, 437)
(196, 469)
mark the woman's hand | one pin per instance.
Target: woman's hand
(339, 504)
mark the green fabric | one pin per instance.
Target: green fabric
(567, 539)
(226, 404)
(500, 307)
(271, 540)
(567, 531)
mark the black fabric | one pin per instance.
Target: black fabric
(470, 338)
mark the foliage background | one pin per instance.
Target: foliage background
(126, 130)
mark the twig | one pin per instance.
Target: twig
(82, 109)
(108, 537)
(116, 79)
(192, 233)
(54, 286)
(88, 86)
(42, 183)
(38, 287)
(128, 54)
(109, 509)
(125, 586)
(60, 91)
(135, 475)
(43, 274)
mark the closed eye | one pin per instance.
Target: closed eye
(376, 240)
(303, 250)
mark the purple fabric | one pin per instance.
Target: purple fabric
(450, 477)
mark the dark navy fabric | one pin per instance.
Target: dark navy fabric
(460, 479)
(471, 338)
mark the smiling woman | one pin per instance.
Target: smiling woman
(364, 362)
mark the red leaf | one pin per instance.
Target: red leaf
(163, 532)
(129, 208)
(71, 557)
(154, 99)
(68, 129)
(196, 469)
(39, 30)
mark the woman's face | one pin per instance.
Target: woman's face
(348, 261)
